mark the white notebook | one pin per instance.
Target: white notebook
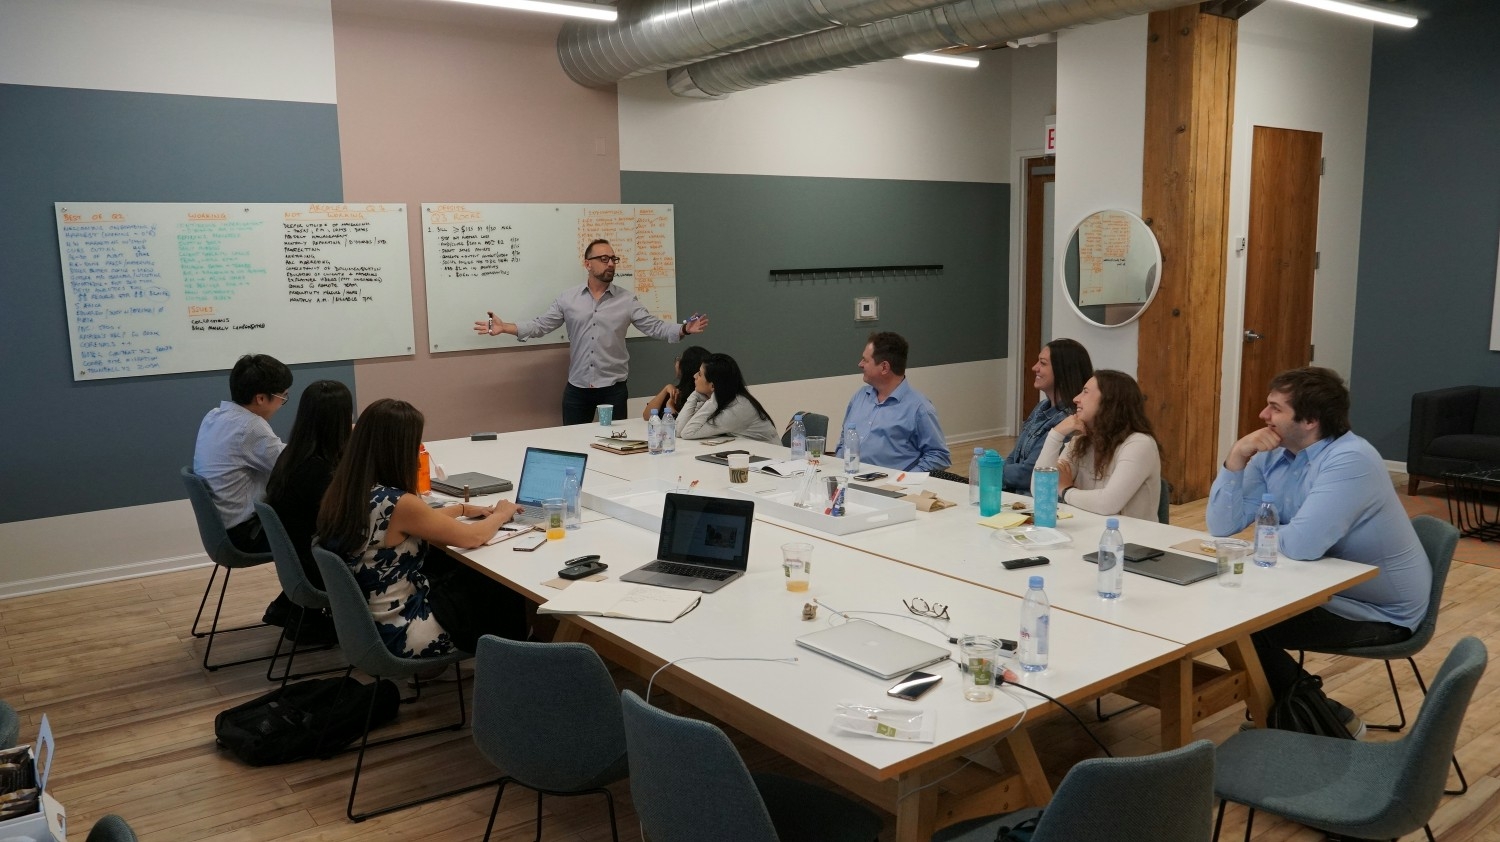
(623, 600)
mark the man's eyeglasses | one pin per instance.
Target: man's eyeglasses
(284, 396)
(923, 608)
(607, 258)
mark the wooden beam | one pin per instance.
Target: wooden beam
(1185, 199)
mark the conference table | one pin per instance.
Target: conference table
(1144, 645)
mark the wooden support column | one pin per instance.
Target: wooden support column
(1189, 119)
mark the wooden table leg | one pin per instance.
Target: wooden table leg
(1176, 703)
(1024, 760)
(1240, 653)
(916, 808)
(567, 631)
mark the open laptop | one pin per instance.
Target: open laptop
(874, 648)
(1169, 567)
(704, 544)
(542, 474)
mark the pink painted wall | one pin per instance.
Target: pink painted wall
(443, 102)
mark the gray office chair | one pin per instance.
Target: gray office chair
(364, 649)
(715, 796)
(1166, 797)
(111, 828)
(10, 726)
(1354, 789)
(1164, 503)
(548, 714)
(1439, 539)
(297, 587)
(815, 424)
(223, 553)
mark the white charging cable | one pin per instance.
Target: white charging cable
(652, 680)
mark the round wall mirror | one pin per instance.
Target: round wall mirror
(1110, 269)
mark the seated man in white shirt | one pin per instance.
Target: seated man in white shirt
(237, 449)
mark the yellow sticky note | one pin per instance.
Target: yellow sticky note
(1005, 520)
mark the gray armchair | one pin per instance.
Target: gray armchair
(1452, 430)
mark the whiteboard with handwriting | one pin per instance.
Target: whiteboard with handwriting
(514, 259)
(154, 288)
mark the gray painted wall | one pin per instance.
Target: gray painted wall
(731, 230)
(75, 447)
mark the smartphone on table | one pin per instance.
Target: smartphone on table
(913, 686)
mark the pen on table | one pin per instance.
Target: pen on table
(901, 478)
(466, 495)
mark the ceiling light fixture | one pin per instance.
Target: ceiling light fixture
(1360, 11)
(951, 61)
(592, 11)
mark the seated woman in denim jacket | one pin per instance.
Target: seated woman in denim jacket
(1061, 369)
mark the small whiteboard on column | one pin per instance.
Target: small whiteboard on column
(156, 288)
(514, 259)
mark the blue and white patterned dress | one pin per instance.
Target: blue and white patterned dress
(392, 579)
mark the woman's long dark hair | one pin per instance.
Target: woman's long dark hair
(1122, 411)
(723, 373)
(321, 430)
(382, 451)
(1071, 368)
(688, 364)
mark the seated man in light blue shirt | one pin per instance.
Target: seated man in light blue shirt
(897, 426)
(236, 448)
(1334, 498)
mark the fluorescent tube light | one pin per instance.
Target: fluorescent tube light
(1359, 11)
(951, 61)
(592, 11)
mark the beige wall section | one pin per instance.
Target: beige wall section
(446, 102)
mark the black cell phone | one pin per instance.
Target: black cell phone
(870, 477)
(583, 570)
(913, 686)
(1032, 561)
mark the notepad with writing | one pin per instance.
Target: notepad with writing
(623, 600)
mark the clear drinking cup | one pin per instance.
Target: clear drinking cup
(980, 656)
(553, 510)
(815, 445)
(739, 467)
(606, 414)
(1231, 553)
(796, 562)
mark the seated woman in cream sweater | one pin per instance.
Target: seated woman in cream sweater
(1113, 463)
(721, 405)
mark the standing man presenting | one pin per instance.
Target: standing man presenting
(597, 316)
(1334, 497)
(897, 425)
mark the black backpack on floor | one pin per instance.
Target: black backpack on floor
(289, 723)
(1305, 709)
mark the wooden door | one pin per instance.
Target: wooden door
(1039, 173)
(1280, 263)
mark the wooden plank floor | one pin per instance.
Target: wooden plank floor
(114, 667)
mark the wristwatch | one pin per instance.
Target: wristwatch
(1062, 496)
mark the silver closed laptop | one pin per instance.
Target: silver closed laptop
(874, 648)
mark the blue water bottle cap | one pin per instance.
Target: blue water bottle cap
(1036, 583)
(1268, 498)
(978, 451)
(655, 411)
(798, 415)
(1112, 523)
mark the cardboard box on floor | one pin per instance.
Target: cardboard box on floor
(49, 823)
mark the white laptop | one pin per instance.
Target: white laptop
(542, 474)
(874, 648)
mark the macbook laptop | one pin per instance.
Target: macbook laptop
(874, 648)
(704, 544)
(1169, 567)
(542, 474)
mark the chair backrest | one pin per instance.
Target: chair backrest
(211, 529)
(352, 620)
(1420, 770)
(812, 422)
(711, 797)
(10, 726)
(547, 714)
(1166, 797)
(1439, 539)
(111, 828)
(294, 581)
(1164, 504)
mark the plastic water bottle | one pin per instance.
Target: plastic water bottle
(668, 430)
(653, 433)
(1267, 521)
(851, 451)
(991, 476)
(1036, 627)
(1111, 560)
(974, 476)
(799, 438)
(572, 502)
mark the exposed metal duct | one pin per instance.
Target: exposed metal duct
(968, 23)
(653, 35)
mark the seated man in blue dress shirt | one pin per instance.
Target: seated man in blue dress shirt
(236, 447)
(1334, 498)
(897, 425)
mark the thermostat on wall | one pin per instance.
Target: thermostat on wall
(866, 309)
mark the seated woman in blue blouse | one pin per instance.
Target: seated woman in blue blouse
(425, 603)
(1061, 369)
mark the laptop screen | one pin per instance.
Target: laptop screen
(542, 474)
(706, 530)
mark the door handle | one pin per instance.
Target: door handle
(1251, 336)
